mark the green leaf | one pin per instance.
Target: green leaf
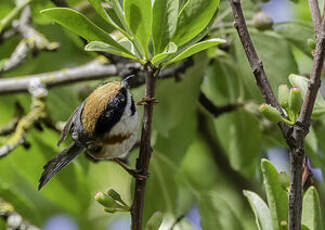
(260, 209)
(311, 210)
(170, 49)
(97, 4)
(277, 197)
(297, 33)
(270, 47)
(104, 47)
(193, 18)
(81, 25)
(164, 23)
(196, 48)
(138, 15)
(171, 123)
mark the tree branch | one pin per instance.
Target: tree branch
(32, 42)
(315, 14)
(38, 111)
(294, 135)
(145, 150)
(94, 70)
(220, 159)
(13, 219)
(216, 111)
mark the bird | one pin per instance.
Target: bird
(104, 126)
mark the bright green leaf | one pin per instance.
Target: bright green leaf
(97, 4)
(104, 47)
(193, 18)
(138, 15)
(170, 49)
(164, 23)
(260, 209)
(277, 197)
(311, 210)
(196, 48)
(81, 25)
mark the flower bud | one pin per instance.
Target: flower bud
(294, 101)
(105, 200)
(155, 221)
(270, 113)
(262, 21)
(283, 95)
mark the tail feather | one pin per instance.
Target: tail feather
(58, 162)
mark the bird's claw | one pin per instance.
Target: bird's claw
(147, 100)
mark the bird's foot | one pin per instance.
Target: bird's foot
(137, 174)
(147, 100)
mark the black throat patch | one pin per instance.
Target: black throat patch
(112, 114)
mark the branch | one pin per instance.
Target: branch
(220, 158)
(301, 129)
(254, 61)
(216, 111)
(143, 160)
(38, 112)
(11, 16)
(60, 3)
(13, 219)
(32, 43)
(315, 14)
(294, 135)
(94, 70)
(91, 71)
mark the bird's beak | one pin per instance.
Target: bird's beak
(125, 81)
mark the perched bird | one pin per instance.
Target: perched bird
(104, 126)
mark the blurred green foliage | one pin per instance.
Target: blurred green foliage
(183, 169)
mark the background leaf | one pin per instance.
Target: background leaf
(311, 211)
(260, 209)
(277, 197)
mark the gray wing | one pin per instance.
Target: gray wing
(70, 123)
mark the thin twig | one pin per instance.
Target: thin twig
(145, 151)
(315, 14)
(60, 3)
(94, 70)
(32, 42)
(13, 219)
(38, 111)
(216, 111)
(220, 158)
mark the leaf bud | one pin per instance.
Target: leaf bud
(283, 95)
(294, 101)
(270, 113)
(105, 200)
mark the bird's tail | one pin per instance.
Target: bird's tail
(58, 162)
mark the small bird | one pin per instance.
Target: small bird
(104, 126)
